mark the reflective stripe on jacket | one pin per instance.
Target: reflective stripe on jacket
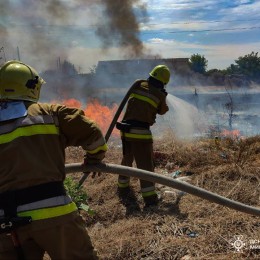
(144, 103)
(28, 126)
(52, 212)
(52, 207)
(144, 96)
(141, 134)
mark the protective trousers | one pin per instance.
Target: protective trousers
(142, 154)
(63, 238)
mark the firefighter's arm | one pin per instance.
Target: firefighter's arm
(80, 130)
(95, 152)
(96, 155)
(163, 107)
(163, 90)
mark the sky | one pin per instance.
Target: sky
(84, 32)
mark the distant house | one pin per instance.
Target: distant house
(121, 73)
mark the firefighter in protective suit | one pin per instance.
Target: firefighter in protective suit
(147, 99)
(35, 209)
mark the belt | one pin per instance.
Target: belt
(11, 200)
(51, 202)
(136, 123)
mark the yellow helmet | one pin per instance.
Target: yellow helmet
(19, 81)
(161, 73)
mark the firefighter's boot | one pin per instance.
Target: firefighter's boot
(152, 200)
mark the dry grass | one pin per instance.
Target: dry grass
(231, 169)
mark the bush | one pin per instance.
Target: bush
(78, 195)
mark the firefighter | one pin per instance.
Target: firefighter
(36, 213)
(147, 99)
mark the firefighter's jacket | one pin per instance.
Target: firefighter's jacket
(32, 156)
(144, 103)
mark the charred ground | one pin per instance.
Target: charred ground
(184, 227)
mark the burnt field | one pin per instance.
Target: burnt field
(183, 226)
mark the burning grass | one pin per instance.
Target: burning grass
(184, 227)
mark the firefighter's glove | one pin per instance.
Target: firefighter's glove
(164, 92)
(92, 161)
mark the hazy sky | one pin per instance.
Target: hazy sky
(86, 31)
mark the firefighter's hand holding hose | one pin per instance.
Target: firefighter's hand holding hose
(164, 91)
(91, 159)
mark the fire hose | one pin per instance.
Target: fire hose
(118, 112)
(153, 177)
(164, 180)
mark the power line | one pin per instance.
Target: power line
(206, 30)
(148, 24)
(170, 32)
(213, 21)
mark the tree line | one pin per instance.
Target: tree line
(247, 66)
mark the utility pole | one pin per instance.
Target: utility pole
(58, 64)
(2, 49)
(18, 53)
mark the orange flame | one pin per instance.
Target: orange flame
(72, 103)
(102, 115)
(230, 133)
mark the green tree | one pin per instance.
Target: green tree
(198, 63)
(248, 65)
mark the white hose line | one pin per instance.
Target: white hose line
(164, 180)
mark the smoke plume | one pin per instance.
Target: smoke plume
(45, 30)
(122, 26)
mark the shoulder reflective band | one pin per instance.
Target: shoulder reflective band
(29, 131)
(46, 213)
(9, 127)
(146, 99)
